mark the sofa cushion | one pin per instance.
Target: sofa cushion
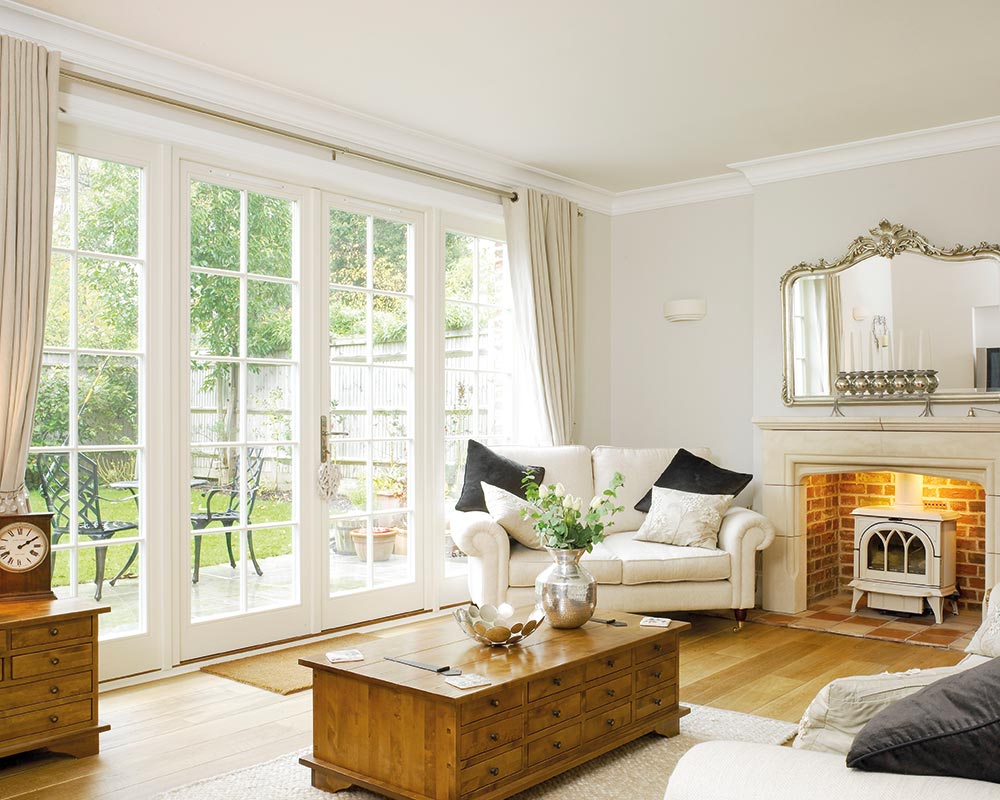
(690, 472)
(567, 464)
(508, 511)
(685, 519)
(640, 467)
(527, 564)
(986, 640)
(483, 465)
(650, 562)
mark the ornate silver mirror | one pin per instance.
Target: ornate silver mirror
(893, 319)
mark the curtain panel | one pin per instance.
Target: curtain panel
(542, 248)
(29, 90)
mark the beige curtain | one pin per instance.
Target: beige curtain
(29, 89)
(542, 247)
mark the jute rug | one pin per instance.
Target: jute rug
(280, 671)
(638, 771)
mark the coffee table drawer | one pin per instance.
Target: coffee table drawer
(609, 692)
(555, 743)
(58, 632)
(492, 703)
(56, 660)
(655, 673)
(491, 735)
(553, 684)
(607, 720)
(661, 699)
(606, 665)
(497, 768)
(554, 712)
(658, 649)
(29, 694)
(47, 719)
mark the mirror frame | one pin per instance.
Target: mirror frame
(886, 240)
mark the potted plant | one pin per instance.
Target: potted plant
(566, 591)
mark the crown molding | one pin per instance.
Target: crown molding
(956, 138)
(699, 190)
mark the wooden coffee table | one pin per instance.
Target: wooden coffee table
(557, 700)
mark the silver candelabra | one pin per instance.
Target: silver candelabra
(886, 385)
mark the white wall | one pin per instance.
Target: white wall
(593, 332)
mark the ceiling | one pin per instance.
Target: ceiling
(618, 95)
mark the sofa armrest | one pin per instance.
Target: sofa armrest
(745, 771)
(488, 548)
(742, 534)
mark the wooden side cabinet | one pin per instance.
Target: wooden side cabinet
(48, 677)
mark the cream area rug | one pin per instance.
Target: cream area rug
(639, 770)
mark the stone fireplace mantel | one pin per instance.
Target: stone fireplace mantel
(795, 447)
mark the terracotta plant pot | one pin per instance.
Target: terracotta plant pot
(383, 539)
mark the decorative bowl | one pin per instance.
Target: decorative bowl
(495, 625)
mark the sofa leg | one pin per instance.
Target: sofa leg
(741, 617)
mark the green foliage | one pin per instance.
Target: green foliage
(561, 519)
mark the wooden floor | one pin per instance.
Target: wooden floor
(183, 729)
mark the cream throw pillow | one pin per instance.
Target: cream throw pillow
(986, 640)
(684, 518)
(508, 511)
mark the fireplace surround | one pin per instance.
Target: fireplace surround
(793, 448)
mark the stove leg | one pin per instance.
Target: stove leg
(858, 594)
(937, 606)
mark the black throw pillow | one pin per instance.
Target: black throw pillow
(482, 465)
(950, 728)
(687, 472)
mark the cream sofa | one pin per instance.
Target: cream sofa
(631, 575)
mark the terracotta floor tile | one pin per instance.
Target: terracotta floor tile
(810, 624)
(931, 638)
(889, 635)
(834, 615)
(854, 628)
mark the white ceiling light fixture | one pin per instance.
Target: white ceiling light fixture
(687, 310)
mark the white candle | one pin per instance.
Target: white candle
(892, 361)
(848, 352)
(901, 356)
(871, 352)
(920, 350)
(855, 353)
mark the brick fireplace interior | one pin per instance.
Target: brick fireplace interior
(830, 499)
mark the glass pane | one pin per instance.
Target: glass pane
(215, 412)
(348, 248)
(349, 401)
(57, 312)
(215, 582)
(62, 215)
(63, 565)
(390, 401)
(459, 351)
(215, 315)
(494, 281)
(107, 400)
(390, 330)
(391, 548)
(459, 389)
(274, 550)
(895, 553)
(52, 408)
(107, 299)
(348, 326)
(49, 485)
(107, 495)
(351, 459)
(215, 226)
(495, 411)
(211, 468)
(916, 562)
(458, 264)
(390, 256)
(269, 235)
(347, 571)
(390, 473)
(269, 403)
(108, 207)
(269, 485)
(269, 319)
(495, 338)
(122, 564)
(454, 469)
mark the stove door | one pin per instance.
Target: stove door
(897, 552)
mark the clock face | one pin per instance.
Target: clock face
(23, 547)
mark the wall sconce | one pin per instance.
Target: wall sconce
(685, 310)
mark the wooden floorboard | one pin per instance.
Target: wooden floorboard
(175, 731)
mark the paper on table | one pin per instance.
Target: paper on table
(467, 681)
(654, 622)
(336, 656)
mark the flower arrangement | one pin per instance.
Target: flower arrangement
(561, 520)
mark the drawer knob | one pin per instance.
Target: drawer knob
(657, 674)
(54, 718)
(556, 712)
(53, 661)
(54, 690)
(657, 647)
(494, 771)
(494, 737)
(494, 702)
(557, 744)
(657, 701)
(611, 692)
(557, 681)
(611, 723)
(611, 662)
(53, 631)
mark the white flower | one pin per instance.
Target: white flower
(543, 492)
(567, 502)
(559, 490)
(595, 503)
(578, 505)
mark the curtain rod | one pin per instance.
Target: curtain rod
(501, 191)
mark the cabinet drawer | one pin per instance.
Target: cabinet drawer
(47, 719)
(46, 691)
(609, 692)
(553, 684)
(657, 672)
(662, 699)
(607, 721)
(58, 659)
(58, 632)
(606, 665)
(497, 768)
(657, 649)
(554, 712)
(555, 743)
(492, 703)
(491, 735)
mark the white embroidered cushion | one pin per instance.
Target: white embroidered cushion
(986, 640)
(684, 518)
(508, 511)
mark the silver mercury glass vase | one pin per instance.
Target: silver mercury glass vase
(566, 591)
